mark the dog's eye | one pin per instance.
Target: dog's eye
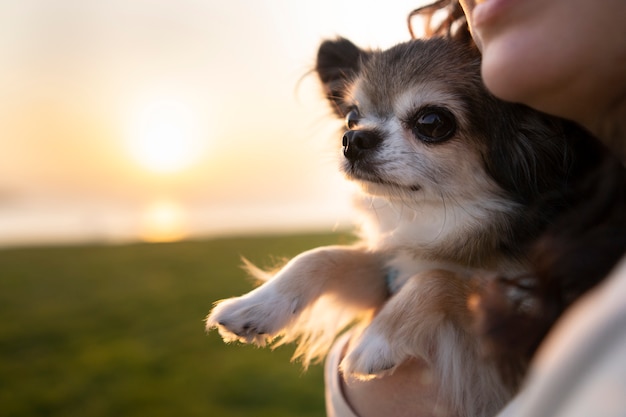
(352, 118)
(433, 124)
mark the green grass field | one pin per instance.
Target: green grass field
(118, 331)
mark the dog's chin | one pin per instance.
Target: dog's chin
(377, 189)
(373, 184)
(381, 188)
(388, 190)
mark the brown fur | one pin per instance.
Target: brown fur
(435, 208)
(575, 253)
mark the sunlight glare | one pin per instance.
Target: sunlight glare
(166, 137)
(164, 221)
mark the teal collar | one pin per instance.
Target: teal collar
(391, 279)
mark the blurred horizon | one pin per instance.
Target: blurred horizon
(152, 120)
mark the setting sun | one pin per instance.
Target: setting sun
(163, 221)
(166, 137)
(109, 106)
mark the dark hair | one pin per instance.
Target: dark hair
(574, 255)
(441, 18)
(576, 252)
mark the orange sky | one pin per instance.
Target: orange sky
(251, 144)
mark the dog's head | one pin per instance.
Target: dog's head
(421, 125)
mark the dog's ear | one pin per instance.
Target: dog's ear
(338, 63)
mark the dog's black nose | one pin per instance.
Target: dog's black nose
(356, 143)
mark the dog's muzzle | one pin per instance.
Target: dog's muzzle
(357, 143)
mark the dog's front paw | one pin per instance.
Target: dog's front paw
(253, 318)
(372, 356)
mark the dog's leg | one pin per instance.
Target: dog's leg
(429, 318)
(351, 274)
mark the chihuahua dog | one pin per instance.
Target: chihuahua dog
(452, 180)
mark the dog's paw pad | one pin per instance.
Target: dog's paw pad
(253, 318)
(238, 320)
